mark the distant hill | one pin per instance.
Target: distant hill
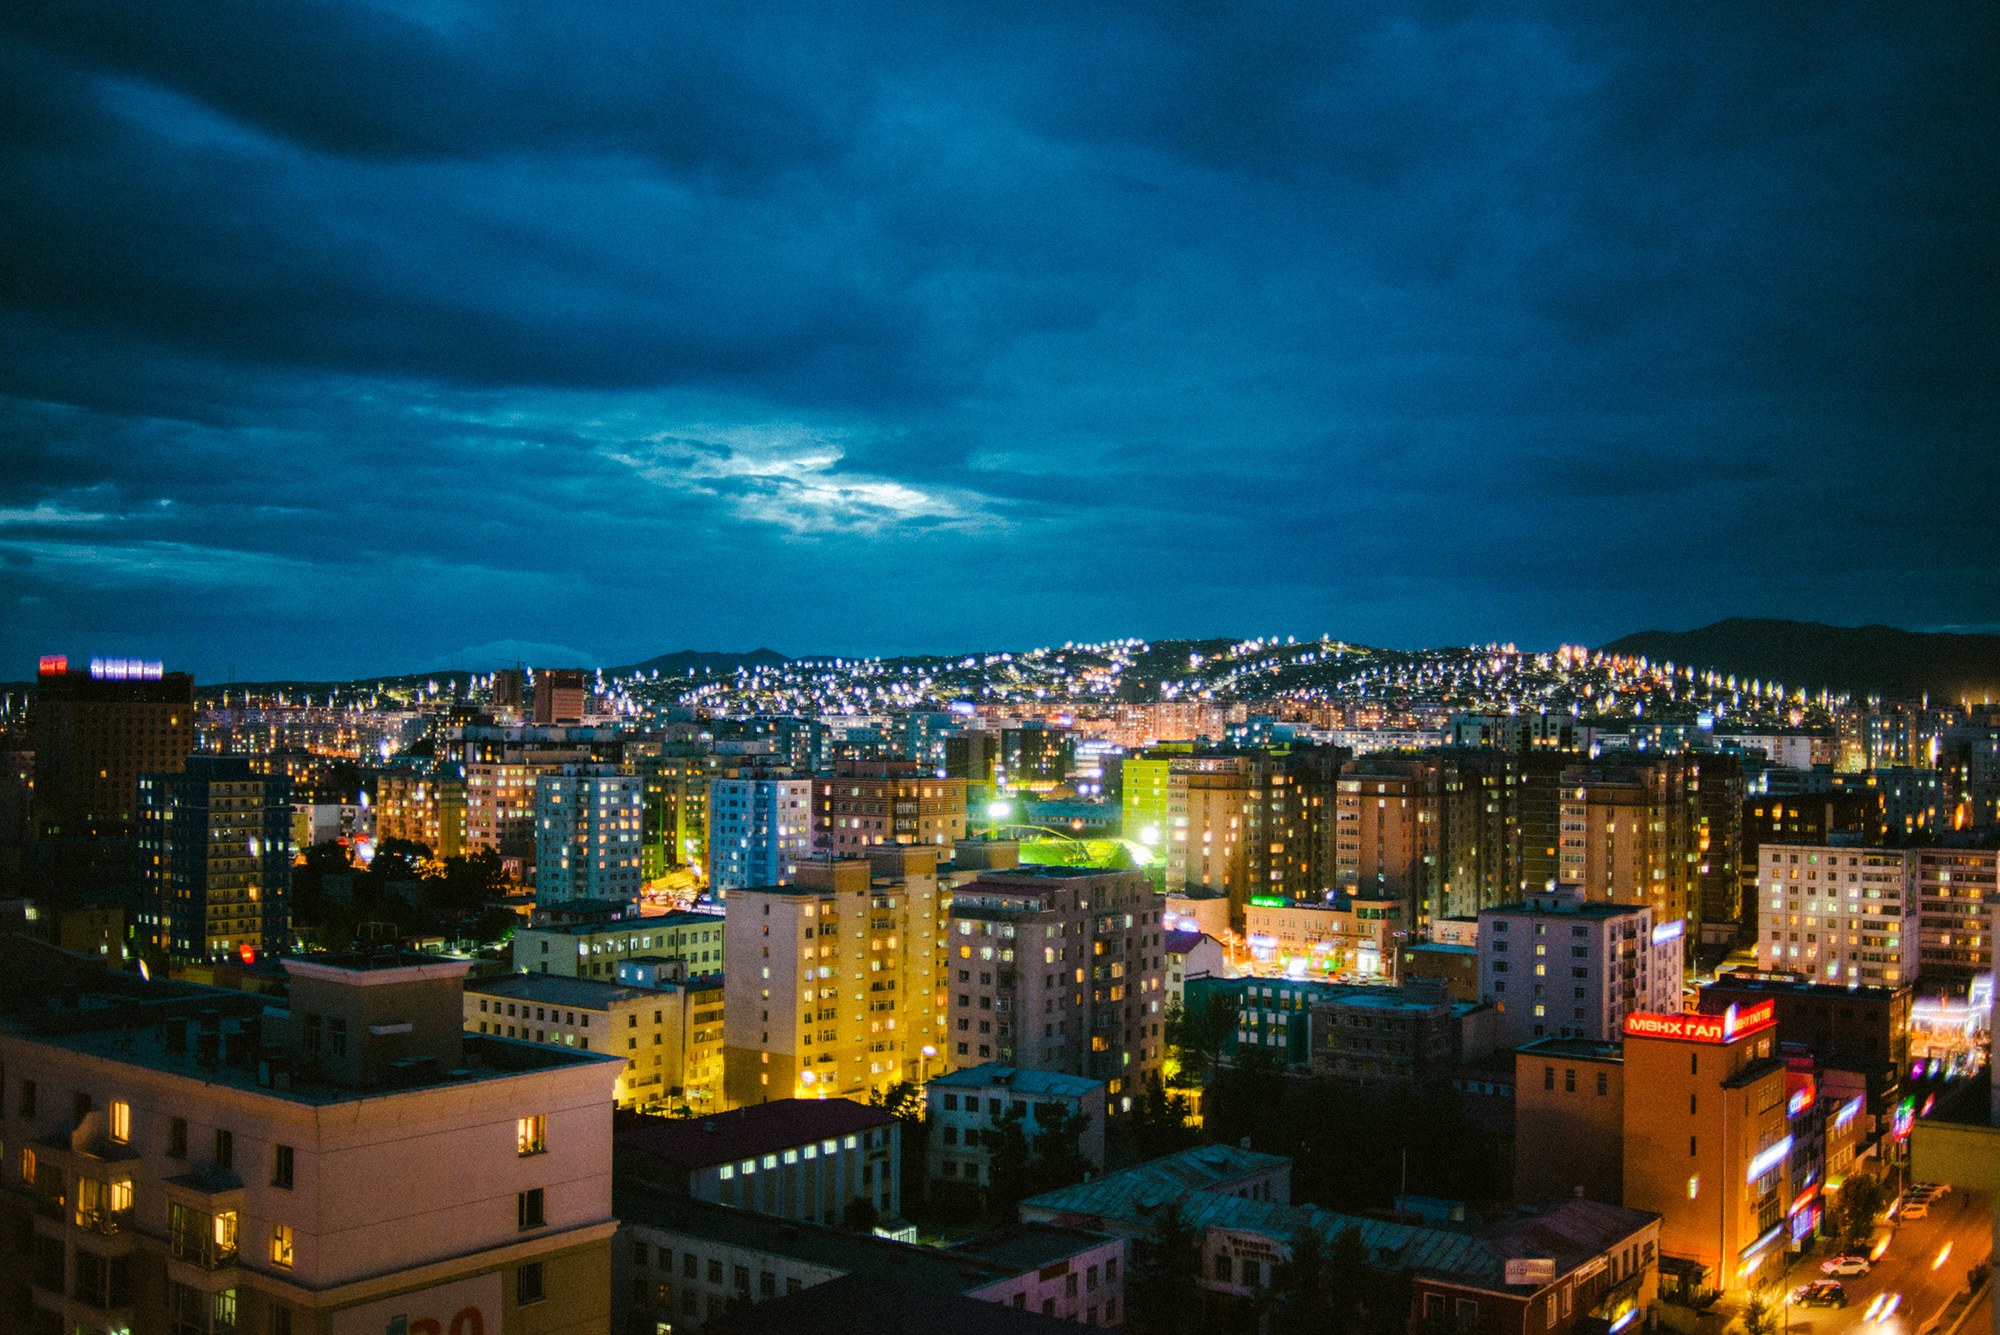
(678, 664)
(1861, 660)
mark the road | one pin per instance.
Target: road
(1962, 1219)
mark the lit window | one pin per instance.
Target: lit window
(531, 1135)
(281, 1245)
(121, 1121)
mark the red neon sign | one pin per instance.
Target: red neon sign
(1727, 1027)
(54, 665)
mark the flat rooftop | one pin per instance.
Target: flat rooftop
(742, 1133)
(1574, 1049)
(625, 926)
(1018, 1079)
(73, 1003)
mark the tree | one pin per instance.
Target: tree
(1163, 1288)
(1757, 1316)
(1160, 1123)
(1860, 1202)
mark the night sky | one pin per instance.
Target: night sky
(348, 338)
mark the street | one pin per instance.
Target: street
(1962, 1218)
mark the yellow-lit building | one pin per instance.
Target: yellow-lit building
(1706, 1140)
(834, 984)
(425, 807)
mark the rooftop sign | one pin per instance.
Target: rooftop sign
(1727, 1027)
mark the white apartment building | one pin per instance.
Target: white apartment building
(587, 828)
(1846, 915)
(759, 830)
(1558, 966)
(184, 1159)
(594, 949)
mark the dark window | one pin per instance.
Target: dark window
(528, 1209)
(281, 1167)
(177, 1138)
(27, 1098)
(79, 1107)
(225, 1148)
(528, 1284)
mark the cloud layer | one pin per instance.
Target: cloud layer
(340, 336)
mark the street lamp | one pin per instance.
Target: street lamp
(924, 1055)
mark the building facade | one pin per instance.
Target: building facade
(1557, 966)
(588, 820)
(95, 732)
(223, 1168)
(215, 848)
(669, 1039)
(961, 1104)
(759, 831)
(833, 984)
(1058, 969)
(1846, 915)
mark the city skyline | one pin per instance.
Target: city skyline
(361, 337)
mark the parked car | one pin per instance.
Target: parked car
(1821, 1293)
(1844, 1265)
(1914, 1209)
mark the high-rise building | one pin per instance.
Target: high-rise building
(864, 803)
(1253, 823)
(1956, 891)
(194, 1160)
(1557, 966)
(423, 804)
(759, 830)
(832, 984)
(215, 848)
(1849, 915)
(1384, 828)
(1707, 1146)
(1057, 969)
(562, 695)
(1143, 799)
(587, 825)
(674, 789)
(96, 732)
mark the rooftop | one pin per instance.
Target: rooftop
(1798, 985)
(623, 926)
(1570, 1233)
(557, 989)
(1180, 943)
(883, 1305)
(1021, 1080)
(74, 1003)
(835, 1249)
(1557, 906)
(1133, 1193)
(1443, 948)
(758, 1128)
(1574, 1049)
(1025, 1247)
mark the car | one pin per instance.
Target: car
(1914, 1210)
(1821, 1293)
(1844, 1265)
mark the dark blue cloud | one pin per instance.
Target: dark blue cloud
(342, 337)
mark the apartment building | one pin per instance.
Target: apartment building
(809, 1160)
(833, 984)
(422, 804)
(865, 803)
(669, 1039)
(1708, 1146)
(588, 820)
(1252, 823)
(1558, 966)
(186, 1160)
(674, 796)
(215, 850)
(759, 831)
(1385, 826)
(684, 1263)
(1057, 969)
(1956, 889)
(586, 944)
(1847, 915)
(963, 1103)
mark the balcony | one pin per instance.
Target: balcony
(201, 1238)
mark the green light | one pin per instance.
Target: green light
(1270, 901)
